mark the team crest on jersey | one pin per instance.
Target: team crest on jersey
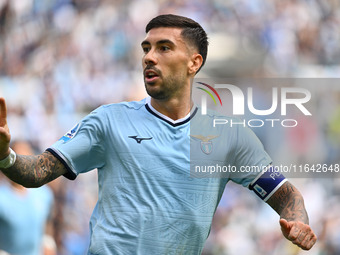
(70, 134)
(206, 144)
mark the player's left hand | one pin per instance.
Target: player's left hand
(298, 233)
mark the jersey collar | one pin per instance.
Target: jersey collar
(165, 118)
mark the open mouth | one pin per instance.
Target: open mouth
(150, 75)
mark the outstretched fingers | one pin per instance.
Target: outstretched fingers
(4, 131)
(3, 112)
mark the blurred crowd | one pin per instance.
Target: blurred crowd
(60, 59)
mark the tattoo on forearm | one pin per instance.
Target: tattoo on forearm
(33, 171)
(289, 204)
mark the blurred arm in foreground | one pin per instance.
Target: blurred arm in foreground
(29, 171)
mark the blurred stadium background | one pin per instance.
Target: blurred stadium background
(60, 59)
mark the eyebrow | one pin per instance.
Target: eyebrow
(164, 41)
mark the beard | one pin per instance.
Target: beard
(165, 88)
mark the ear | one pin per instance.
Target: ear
(195, 63)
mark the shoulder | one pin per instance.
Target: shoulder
(211, 115)
(42, 199)
(113, 112)
(122, 106)
(229, 128)
(215, 121)
(5, 191)
(43, 192)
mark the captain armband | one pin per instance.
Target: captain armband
(267, 182)
(9, 160)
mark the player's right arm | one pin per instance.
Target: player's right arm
(29, 171)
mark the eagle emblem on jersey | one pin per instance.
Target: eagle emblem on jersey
(206, 144)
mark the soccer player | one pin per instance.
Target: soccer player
(24, 213)
(148, 203)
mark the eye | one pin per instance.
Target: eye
(146, 49)
(164, 48)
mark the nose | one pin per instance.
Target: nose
(150, 58)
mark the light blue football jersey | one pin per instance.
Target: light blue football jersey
(148, 203)
(23, 219)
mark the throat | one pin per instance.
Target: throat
(172, 110)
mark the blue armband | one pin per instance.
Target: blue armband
(269, 181)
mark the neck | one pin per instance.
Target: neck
(173, 108)
(178, 105)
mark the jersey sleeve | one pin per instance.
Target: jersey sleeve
(254, 166)
(250, 157)
(82, 148)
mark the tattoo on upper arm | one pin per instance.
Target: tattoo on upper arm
(49, 166)
(33, 171)
(288, 203)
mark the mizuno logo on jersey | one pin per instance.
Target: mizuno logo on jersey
(139, 139)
